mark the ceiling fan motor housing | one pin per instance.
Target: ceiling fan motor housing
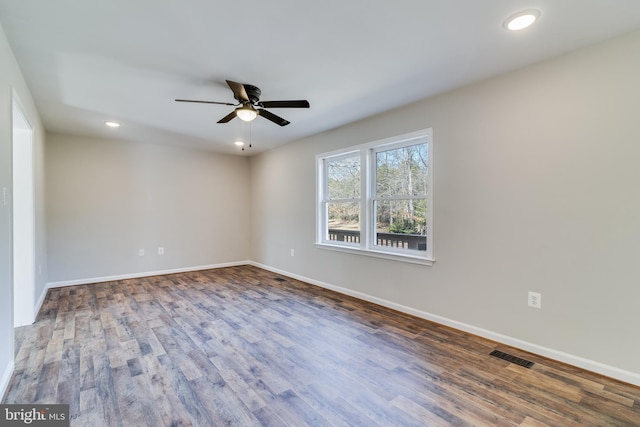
(252, 92)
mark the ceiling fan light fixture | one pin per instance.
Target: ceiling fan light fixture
(246, 113)
(521, 20)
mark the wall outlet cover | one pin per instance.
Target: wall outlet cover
(534, 299)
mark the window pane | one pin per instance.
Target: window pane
(402, 171)
(343, 178)
(344, 221)
(402, 223)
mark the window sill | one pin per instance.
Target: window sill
(376, 254)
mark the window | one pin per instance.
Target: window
(343, 198)
(376, 198)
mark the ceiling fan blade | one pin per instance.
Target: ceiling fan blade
(238, 91)
(275, 119)
(228, 117)
(285, 104)
(204, 102)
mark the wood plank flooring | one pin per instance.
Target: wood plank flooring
(241, 346)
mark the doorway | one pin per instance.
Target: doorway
(23, 218)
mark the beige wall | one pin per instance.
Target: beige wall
(107, 199)
(11, 80)
(536, 189)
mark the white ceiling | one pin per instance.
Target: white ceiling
(90, 61)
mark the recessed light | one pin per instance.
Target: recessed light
(239, 143)
(521, 20)
(112, 124)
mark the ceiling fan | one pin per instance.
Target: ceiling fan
(249, 105)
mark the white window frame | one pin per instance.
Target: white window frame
(367, 153)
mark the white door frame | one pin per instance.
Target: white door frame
(23, 216)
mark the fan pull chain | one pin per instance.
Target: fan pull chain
(250, 133)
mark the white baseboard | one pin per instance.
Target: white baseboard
(43, 295)
(88, 281)
(6, 379)
(587, 364)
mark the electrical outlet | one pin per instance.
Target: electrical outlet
(161, 251)
(5, 196)
(292, 252)
(535, 300)
(141, 252)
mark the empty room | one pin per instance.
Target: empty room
(410, 213)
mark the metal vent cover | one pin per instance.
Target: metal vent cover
(511, 358)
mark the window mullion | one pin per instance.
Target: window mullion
(365, 232)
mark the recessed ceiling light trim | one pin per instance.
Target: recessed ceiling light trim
(239, 143)
(112, 124)
(521, 20)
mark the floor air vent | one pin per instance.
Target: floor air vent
(510, 358)
(280, 279)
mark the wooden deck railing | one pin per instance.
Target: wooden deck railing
(397, 240)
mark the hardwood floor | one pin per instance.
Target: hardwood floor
(242, 346)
